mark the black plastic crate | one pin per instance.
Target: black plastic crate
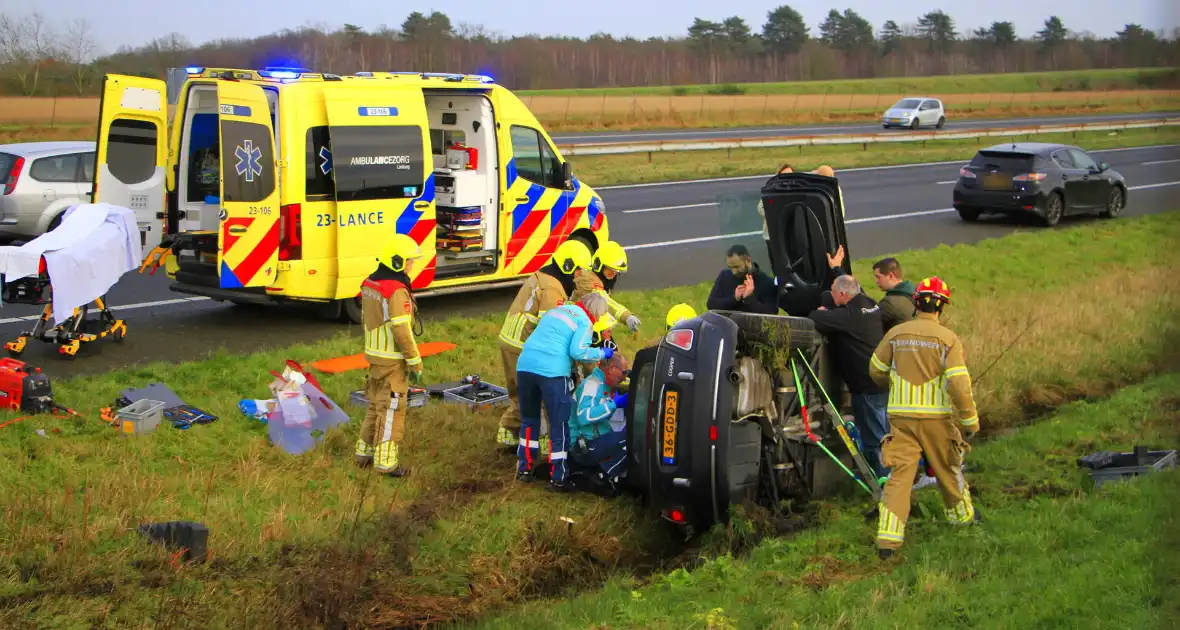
(1106, 466)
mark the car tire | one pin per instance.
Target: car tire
(885, 126)
(968, 215)
(941, 122)
(1054, 210)
(352, 310)
(914, 124)
(1115, 202)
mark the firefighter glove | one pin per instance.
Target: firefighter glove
(620, 400)
(415, 377)
(633, 323)
(607, 353)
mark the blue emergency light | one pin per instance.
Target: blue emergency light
(194, 70)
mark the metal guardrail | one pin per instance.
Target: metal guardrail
(834, 139)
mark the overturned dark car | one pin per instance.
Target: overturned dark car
(734, 407)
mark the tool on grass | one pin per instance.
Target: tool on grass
(27, 389)
(838, 423)
(1005, 351)
(358, 362)
(814, 437)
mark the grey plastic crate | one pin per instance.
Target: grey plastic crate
(486, 396)
(141, 416)
(359, 399)
(1127, 465)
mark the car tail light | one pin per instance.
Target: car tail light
(13, 175)
(713, 433)
(680, 338)
(291, 232)
(966, 174)
(1029, 177)
(675, 515)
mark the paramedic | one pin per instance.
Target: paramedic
(608, 263)
(543, 376)
(743, 286)
(545, 289)
(598, 436)
(855, 326)
(930, 404)
(388, 311)
(898, 303)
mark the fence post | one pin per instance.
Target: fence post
(53, 115)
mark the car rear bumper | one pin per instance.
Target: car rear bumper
(1014, 201)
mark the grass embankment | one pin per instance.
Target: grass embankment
(300, 541)
(1052, 552)
(637, 168)
(1064, 81)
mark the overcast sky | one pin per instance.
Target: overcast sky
(203, 20)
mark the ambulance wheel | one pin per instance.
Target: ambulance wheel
(588, 241)
(352, 310)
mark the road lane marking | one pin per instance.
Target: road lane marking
(1159, 162)
(691, 205)
(949, 181)
(683, 241)
(848, 170)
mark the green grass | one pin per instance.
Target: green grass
(1077, 80)
(305, 541)
(1051, 554)
(637, 168)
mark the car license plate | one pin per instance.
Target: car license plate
(671, 409)
(997, 181)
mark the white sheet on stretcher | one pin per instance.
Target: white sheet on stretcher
(85, 256)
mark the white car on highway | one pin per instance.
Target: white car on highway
(915, 112)
(39, 181)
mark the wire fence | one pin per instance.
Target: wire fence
(561, 112)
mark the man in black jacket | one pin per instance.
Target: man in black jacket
(743, 286)
(855, 326)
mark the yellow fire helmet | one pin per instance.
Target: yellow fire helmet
(601, 325)
(397, 251)
(571, 255)
(612, 256)
(679, 313)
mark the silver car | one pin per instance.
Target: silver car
(915, 112)
(39, 181)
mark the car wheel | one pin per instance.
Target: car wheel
(1054, 210)
(352, 310)
(1114, 203)
(941, 122)
(968, 215)
(914, 124)
(884, 126)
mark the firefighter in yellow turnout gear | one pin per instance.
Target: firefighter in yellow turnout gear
(388, 312)
(610, 261)
(930, 406)
(547, 288)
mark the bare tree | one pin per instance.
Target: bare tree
(26, 44)
(78, 51)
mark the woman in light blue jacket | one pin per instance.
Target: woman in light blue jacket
(544, 376)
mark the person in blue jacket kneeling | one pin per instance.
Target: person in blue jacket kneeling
(598, 432)
(544, 375)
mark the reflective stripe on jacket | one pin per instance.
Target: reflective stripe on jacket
(923, 363)
(388, 318)
(562, 336)
(540, 293)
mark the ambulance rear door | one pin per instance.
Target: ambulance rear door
(379, 146)
(132, 154)
(248, 234)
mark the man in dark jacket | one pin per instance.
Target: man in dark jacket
(855, 327)
(743, 286)
(898, 303)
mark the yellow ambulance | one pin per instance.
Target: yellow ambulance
(281, 184)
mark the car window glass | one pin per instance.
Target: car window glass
(1082, 160)
(925, 105)
(6, 162)
(317, 163)
(131, 150)
(59, 168)
(526, 154)
(1002, 162)
(386, 162)
(87, 160)
(1063, 160)
(907, 103)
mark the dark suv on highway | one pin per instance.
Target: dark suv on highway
(1049, 180)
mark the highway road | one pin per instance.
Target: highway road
(675, 233)
(611, 137)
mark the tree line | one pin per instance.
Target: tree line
(40, 58)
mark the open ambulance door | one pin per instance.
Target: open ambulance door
(380, 141)
(132, 152)
(248, 237)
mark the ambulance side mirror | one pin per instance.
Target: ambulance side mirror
(567, 175)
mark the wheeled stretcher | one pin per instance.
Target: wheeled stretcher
(68, 272)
